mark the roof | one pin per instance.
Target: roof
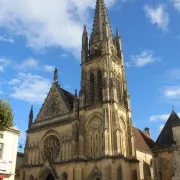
(20, 154)
(68, 96)
(13, 130)
(165, 139)
(143, 140)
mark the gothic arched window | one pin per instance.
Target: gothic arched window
(99, 85)
(92, 89)
(118, 91)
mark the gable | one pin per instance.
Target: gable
(165, 139)
(58, 102)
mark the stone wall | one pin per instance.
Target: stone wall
(176, 153)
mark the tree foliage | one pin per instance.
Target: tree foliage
(6, 115)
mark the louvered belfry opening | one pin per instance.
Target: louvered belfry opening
(118, 91)
(99, 85)
(92, 88)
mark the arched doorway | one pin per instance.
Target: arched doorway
(50, 177)
(64, 176)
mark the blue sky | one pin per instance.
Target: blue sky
(36, 36)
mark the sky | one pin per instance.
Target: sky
(37, 36)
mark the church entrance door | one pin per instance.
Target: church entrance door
(50, 177)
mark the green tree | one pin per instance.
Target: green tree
(6, 115)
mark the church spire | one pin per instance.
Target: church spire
(30, 117)
(98, 25)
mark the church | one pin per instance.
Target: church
(89, 135)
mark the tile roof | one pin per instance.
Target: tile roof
(165, 139)
(143, 141)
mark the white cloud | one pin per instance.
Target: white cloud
(14, 82)
(33, 64)
(63, 55)
(29, 63)
(30, 88)
(3, 63)
(47, 23)
(161, 117)
(157, 15)
(49, 68)
(176, 4)
(172, 92)
(142, 59)
(7, 39)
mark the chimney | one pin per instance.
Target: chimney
(147, 130)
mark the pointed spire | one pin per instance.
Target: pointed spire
(118, 44)
(84, 51)
(84, 30)
(99, 19)
(56, 76)
(30, 117)
(75, 93)
(117, 33)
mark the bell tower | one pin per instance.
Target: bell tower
(105, 114)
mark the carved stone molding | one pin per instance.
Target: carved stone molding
(106, 121)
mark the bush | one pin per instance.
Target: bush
(6, 115)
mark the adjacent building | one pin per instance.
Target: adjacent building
(144, 145)
(165, 151)
(8, 153)
(19, 164)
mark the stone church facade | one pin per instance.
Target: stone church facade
(86, 136)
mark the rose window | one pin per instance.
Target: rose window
(51, 147)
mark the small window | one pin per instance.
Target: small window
(102, 147)
(118, 91)
(91, 149)
(1, 150)
(96, 136)
(100, 89)
(91, 137)
(102, 135)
